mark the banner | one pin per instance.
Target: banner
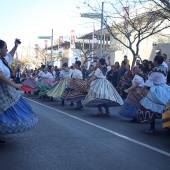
(72, 39)
(60, 47)
(46, 44)
(126, 16)
(36, 50)
(94, 36)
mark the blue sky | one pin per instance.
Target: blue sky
(28, 19)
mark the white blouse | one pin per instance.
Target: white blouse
(156, 78)
(49, 75)
(41, 74)
(98, 73)
(5, 70)
(139, 80)
(77, 74)
(65, 74)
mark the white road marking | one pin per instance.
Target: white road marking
(107, 130)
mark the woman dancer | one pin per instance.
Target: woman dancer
(64, 77)
(76, 89)
(158, 95)
(102, 93)
(166, 116)
(16, 115)
(28, 84)
(132, 101)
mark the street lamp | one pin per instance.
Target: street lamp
(48, 37)
(93, 15)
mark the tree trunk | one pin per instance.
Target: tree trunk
(133, 62)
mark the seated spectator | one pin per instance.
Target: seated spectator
(124, 83)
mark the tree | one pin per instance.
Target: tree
(130, 22)
(92, 55)
(43, 56)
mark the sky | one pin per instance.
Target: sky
(28, 19)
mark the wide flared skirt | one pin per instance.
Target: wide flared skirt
(76, 90)
(49, 82)
(27, 88)
(57, 90)
(30, 83)
(166, 116)
(44, 89)
(102, 92)
(18, 118)
(154, 103)
(132, 104)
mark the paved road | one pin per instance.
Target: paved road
(65, 139)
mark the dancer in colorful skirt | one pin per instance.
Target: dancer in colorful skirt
(16, 115)
(64, 77)
(158, 95)
(38, 78)
(28, 84)
(132, 101)
(102, 93)
(46, 82)
(166, 116)
(76, 89)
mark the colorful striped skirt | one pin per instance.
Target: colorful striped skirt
(16, 115)
(154, 103)
(166, 116)
(57, 90)
(75, 91)
(102, 92)
(132, 104)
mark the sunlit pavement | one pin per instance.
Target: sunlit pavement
(66, 138)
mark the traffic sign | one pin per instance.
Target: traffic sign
(44, 37)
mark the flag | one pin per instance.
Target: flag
(72, 39)
(126, 16)
(46, 44)
(60, 47)
(94, 36)
(36, 50)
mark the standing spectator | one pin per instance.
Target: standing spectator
(168, 78)
(83, 70)
(112, 75)
(164, 62)
(117, 65)
(121, 71)
(128, 71)
(138, 62)
(89, 73)
(126, 60)
(150, 66)
(57, 71)
(18, 74)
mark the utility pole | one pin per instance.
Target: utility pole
(101, 31)
(51, 45)
(49, 37)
